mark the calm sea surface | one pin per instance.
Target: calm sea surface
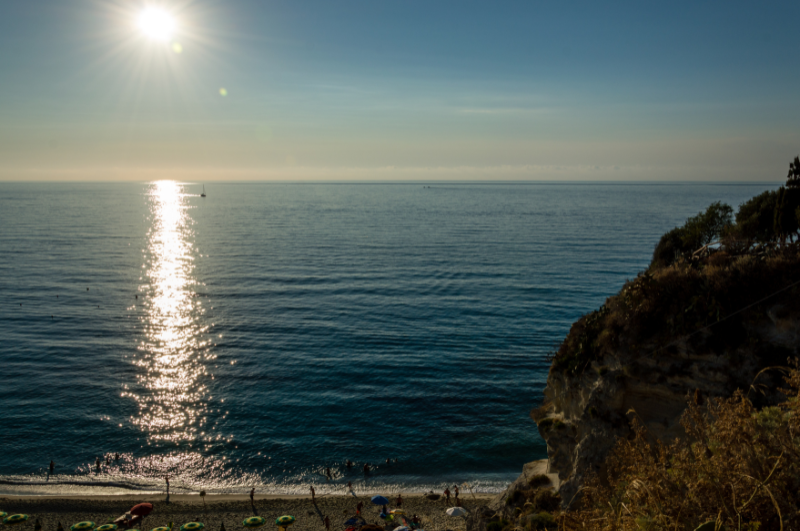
(268, 331)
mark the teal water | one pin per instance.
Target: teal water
(268, 331)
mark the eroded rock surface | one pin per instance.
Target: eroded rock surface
(583, 414)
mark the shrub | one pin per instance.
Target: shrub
(550, 422)
(539, 480)
(669, 249)
(707, 226)
(546, 500)
(543, 520)
(738, 466)
(497, 525)
(755, 218)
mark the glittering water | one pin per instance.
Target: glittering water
(268, 331)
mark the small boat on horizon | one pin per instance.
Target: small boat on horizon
(204, 191)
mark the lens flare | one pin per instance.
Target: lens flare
(157, 24)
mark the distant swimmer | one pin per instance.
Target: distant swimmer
(366, 468)
(388, 461)
(349, 464)
(116, 457)
(52, 467)
(97, 464)
(328, 472)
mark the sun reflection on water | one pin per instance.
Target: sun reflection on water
(173, 357)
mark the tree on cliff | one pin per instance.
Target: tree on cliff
(755, 219)
(698, 231)
(787, 207)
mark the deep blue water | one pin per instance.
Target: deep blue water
(267, 331)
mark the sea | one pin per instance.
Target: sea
(269, 333)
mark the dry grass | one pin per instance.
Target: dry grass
(739, 468)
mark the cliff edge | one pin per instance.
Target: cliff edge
(695, 329)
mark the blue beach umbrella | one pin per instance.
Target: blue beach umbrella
(379, 500)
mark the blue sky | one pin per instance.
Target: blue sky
(380, 90)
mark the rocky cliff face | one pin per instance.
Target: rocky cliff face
(645, 371)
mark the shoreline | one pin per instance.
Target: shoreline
(231, 509)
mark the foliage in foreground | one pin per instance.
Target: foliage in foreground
(738, 468)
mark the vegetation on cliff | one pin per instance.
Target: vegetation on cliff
(718, 303)
(738, 468)
(706, 276)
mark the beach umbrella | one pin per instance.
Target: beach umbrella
(192, 526)
(285, 520)
(143, 509)
(86, 525)
(107, 527)
(15, 519)
(456, 511)
(3, 514)
(162, 528)
(379, 500)
(254, 521)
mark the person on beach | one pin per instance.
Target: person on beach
(252, 495)
(52, 467)
(399, 500)
(328, 473)
(116, 457)
(166, 478)
(313, 494)
(447, 494)
(350, 488)
(359, 507)
(455, 488)
(97, 465)
(327, 523)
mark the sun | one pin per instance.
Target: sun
(157, 24)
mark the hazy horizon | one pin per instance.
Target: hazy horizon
(362, 91)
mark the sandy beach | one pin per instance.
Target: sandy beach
(230, 510)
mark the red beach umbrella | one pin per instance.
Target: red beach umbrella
(143, 509)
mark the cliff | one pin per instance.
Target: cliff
(694, 329)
